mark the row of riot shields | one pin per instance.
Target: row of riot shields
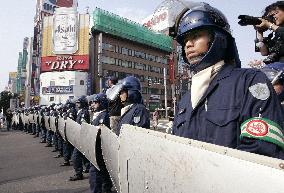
(26, 118)
(141, 160)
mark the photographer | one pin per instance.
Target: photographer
(273, 47)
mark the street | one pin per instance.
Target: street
(27, 166)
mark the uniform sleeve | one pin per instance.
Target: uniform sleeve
(261, 118)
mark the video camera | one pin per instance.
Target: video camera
(251, 20)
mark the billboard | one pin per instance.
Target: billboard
(58, 48)
(158, 21)
(57, 90)
(65, 31)
(12, 75)
(63, 63)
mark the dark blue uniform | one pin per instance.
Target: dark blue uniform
(226, 104)
(100, 180)
(78, 157)
(137, 115)
(67, 146)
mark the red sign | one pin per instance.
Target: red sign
(155, 20)
(65, 63)
(257, 128)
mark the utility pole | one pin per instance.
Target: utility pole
(165, 85)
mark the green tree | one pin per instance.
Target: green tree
(5, 97)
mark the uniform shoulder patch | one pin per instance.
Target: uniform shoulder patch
(136, 119)
(260, 91)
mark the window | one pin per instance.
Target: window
(129, 52)
(51, 99)
(108, 47)
(71, 82)
(150, 57)
(71, 97)
(82, 82)
(124, 51)
(144, 90)
(52, 83)
(117, 49)
(130, 64)
(107, 60)
(139, 66)
(124, 63)
(139, 54)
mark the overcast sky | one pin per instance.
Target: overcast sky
(16, 19)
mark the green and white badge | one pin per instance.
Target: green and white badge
(263, 129)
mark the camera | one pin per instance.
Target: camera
(272, 42)
(251, 20)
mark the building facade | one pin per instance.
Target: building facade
(123, 48)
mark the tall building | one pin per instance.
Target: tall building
(64, 56)
(12, 83)
(122, 47)
(44, 8)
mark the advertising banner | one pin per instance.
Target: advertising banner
(57, 90)
(65, 31)
(64, 63)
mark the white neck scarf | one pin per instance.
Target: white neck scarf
(125, 109)
(201, 81)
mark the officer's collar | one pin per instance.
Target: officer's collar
(224, 72)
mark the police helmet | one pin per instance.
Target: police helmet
(222, 45)
(82, 100)
(101, 99)
(129, 84)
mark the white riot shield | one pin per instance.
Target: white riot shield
(46, 122)
(89, 135)
(40, 117)
(26, 119)
(14, 119)
(52, 123)
(61, 128)
(31, 118)
(160, 163)
(110, 148)
(17, 117)
(73, 133)
(23, 118)
(35, 118)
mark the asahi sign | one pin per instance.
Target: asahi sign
(63, 63)
(65, 31)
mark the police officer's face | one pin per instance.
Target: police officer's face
(123, 96)
(95, 105)
(78, 105)
(278, 15)
(278, 88)
(196, 45)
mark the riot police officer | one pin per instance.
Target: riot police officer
(78, 157)
(225, 102)
(99, 179)
(134, 111)
(67, 146)
(43, 110)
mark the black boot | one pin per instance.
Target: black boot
(66, 163)
(76, 177)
